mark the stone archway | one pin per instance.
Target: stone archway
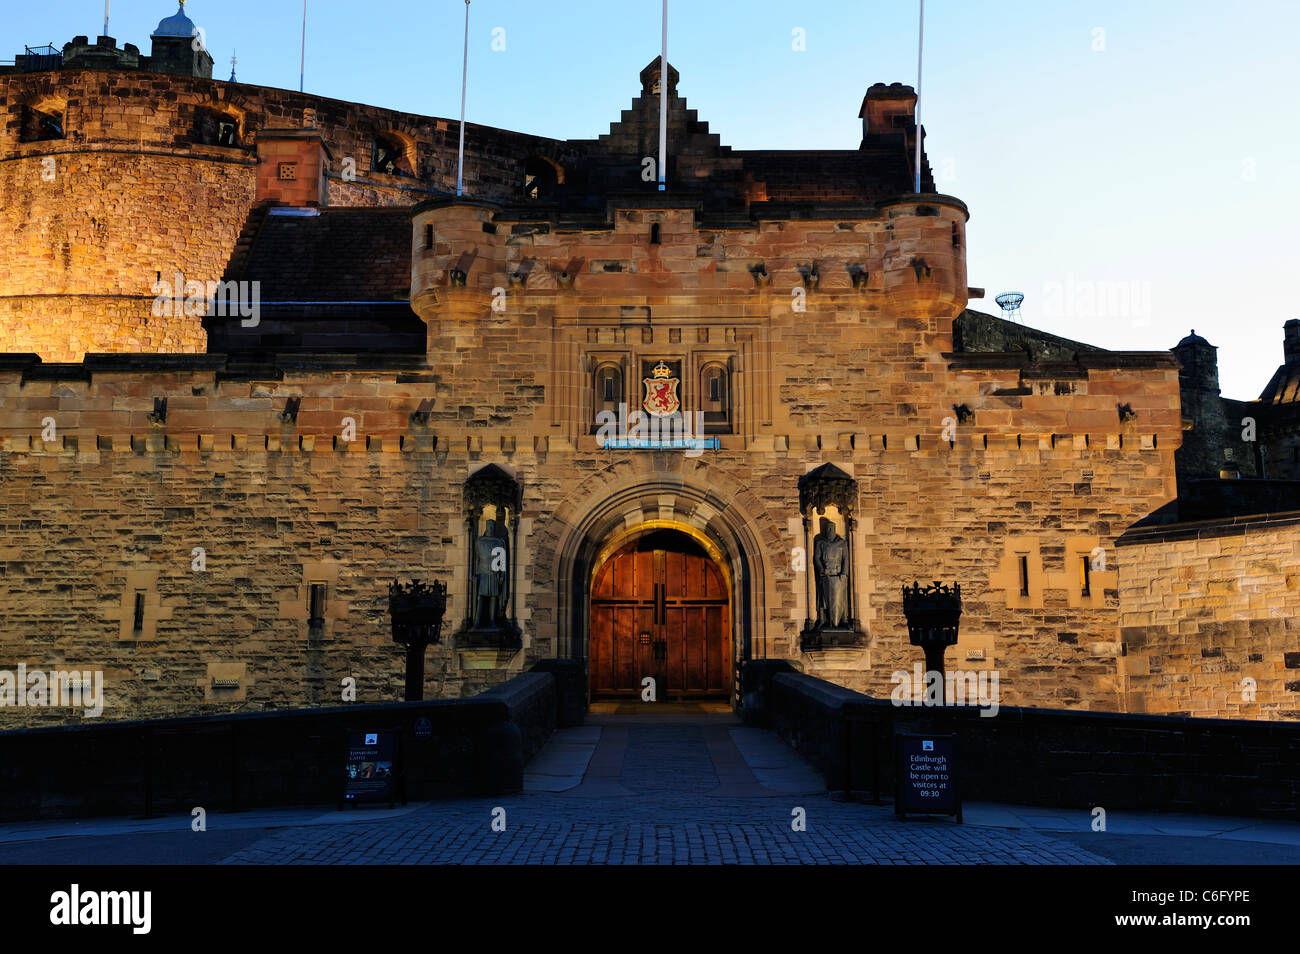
(660, 616)
(584, 535)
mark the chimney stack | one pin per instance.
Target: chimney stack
(888, 109)
(292, 165)
(1291, 341)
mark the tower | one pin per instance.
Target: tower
(1205, 424)
(178, 47)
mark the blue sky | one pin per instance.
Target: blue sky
(1132, 168)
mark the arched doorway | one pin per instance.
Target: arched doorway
(660, 607)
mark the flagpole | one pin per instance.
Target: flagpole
(106, 2)
(920, 45)
(464, 81)
(663, 106)
(302, 66)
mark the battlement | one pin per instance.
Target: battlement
(909, 250)
(399, 404)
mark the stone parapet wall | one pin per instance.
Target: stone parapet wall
(1050, 757)
(1210, 618)
(473, 746)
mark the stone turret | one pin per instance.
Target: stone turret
(178, 47)
(1205, 437)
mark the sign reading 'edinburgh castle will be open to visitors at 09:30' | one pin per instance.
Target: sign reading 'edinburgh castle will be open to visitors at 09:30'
(925, 776)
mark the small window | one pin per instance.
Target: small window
(214, 128)
(540, 178)
(1024, 575)
(1085, 576)
(608, 390)
(316, 609)
(390, 157)
(137, 625)
(715, 398)
(41, 125)
(428, 236)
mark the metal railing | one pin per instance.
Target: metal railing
(37, 59)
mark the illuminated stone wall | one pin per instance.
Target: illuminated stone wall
(88, 223)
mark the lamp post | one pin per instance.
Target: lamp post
(416, 611)
(932, 615)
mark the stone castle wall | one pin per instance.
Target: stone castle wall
(1208, 606)
(129, 195)
(114, 504)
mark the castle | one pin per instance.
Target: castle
(660, 432)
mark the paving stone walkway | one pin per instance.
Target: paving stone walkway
(680, 784)
(687, 786)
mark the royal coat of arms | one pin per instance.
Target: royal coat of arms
(661, 392)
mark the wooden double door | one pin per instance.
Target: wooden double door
(659, 608)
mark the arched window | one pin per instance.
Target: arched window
(215, 128)
(42, 124)
(540, 178)
(715, 397)
(607, 390)
(392, 156)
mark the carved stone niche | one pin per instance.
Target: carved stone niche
(489, 635)
(832, 621)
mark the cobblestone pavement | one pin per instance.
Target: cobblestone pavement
(665, 792)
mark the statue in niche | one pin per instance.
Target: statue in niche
(830, 569)
(491, 564)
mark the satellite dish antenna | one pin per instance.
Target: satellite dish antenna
(1009, 302)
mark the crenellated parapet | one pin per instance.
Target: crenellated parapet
(906, 253)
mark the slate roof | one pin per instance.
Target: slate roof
(1284, 386)
(976, 331)
(720, 179)
(831, 177)
(339, 254)
(336, 280)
